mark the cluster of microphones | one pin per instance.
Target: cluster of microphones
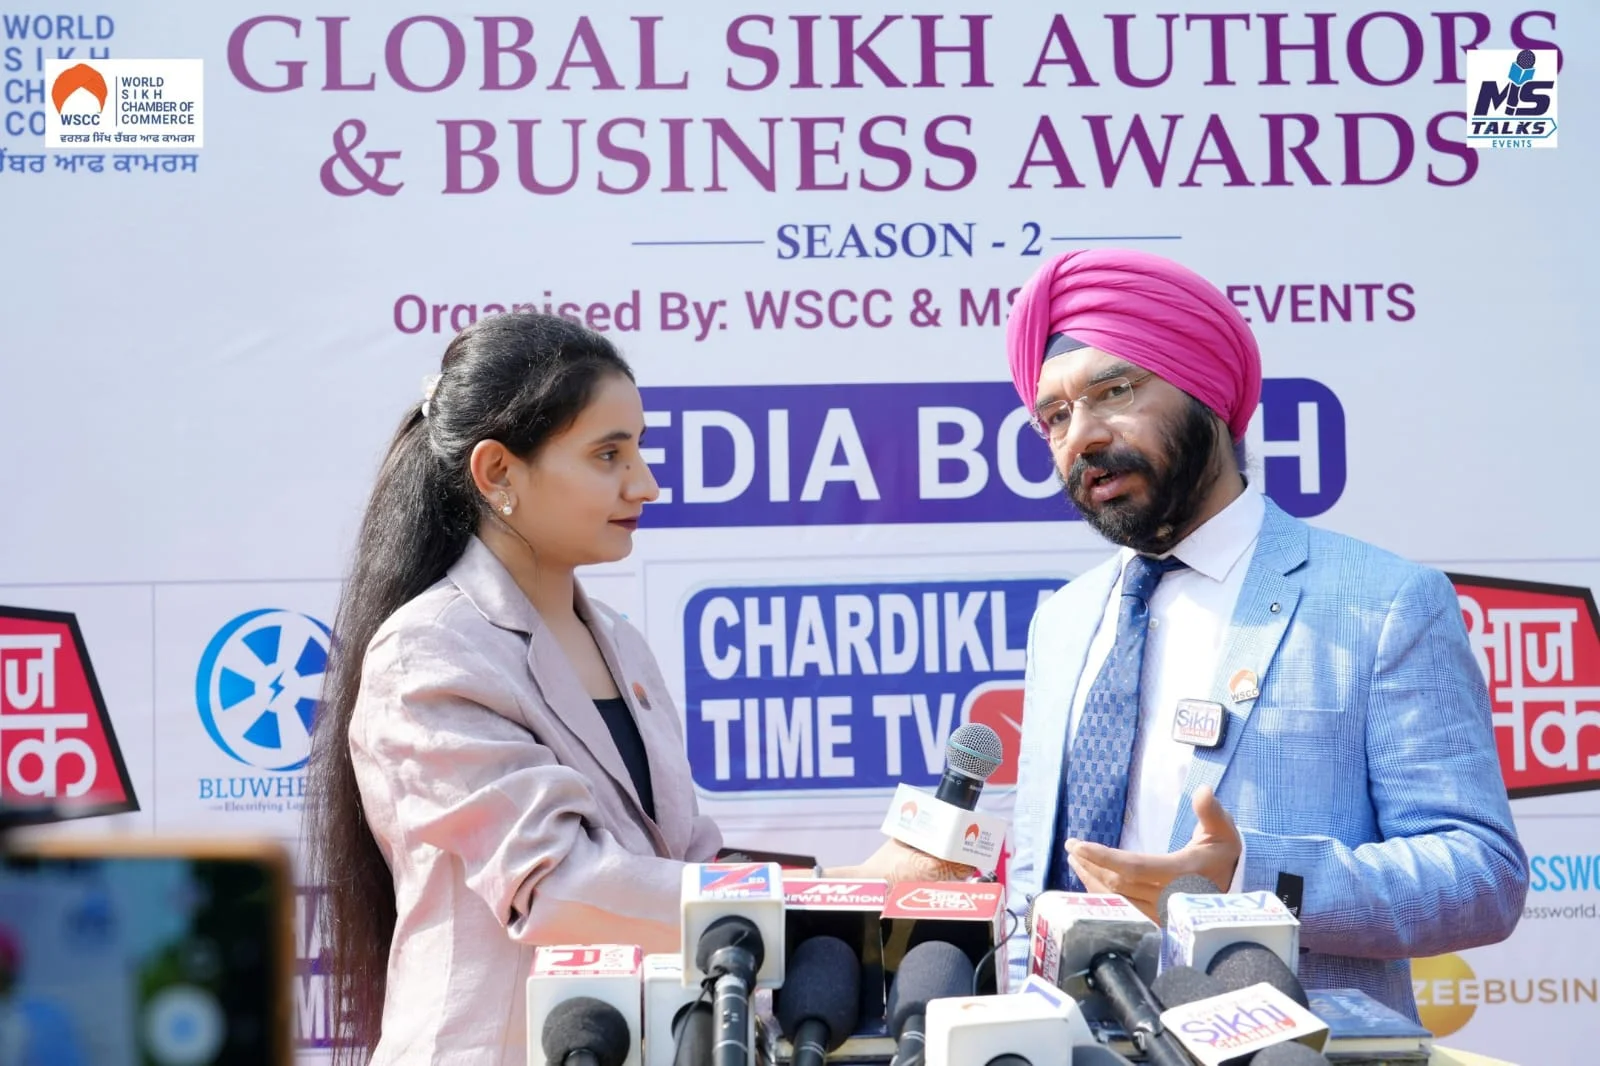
(781, 966)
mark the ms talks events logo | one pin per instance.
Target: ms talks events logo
(1511, 98)
(257, 690)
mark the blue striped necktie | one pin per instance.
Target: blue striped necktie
(1095, 799)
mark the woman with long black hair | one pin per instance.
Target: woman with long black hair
(496, 762)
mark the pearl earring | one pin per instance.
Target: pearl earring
(505, 505)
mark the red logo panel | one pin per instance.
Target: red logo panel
(58, 753)
(1538, 646)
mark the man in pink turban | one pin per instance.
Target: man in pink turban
(1109, 315)
(1236, 695)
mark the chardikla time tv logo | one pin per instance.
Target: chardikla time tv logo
(1511, 98)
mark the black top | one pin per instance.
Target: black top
(630, 745)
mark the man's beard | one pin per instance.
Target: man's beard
(1176, 493)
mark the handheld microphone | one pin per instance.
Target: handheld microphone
(1187, 885)
(820, 1001)
(934, 969)
(1068, 929)
(1243, 964)
(1147, 958)
(592, 976)
(730, 952)
(1085, 943)
(851, 911)
(1182, 985)
(971, 757)
(677, 1029)
(1111, 973)
(1228, 1029)
(946, 824)
(584, 1031)
(1033, 1027)
(1201, 924)
(694, 1035)
(752, 891)
(1248, 1004)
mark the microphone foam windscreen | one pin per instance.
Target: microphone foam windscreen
(1288, 1055)
(974, 750)
(822, 980)
(727, 932)
(586, 1024)
(1238, 966)
(1188, 885)
(931, 970)
(1184, 984)
(1147, 957)
(694, 1031)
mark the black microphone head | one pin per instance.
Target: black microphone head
(1187, 885)
(1525, 59)
(1184, 984)
(728, 932)
(694, 1034)
(1238, 966)
(1288, 1055)
(974, 750)
(586, 1024)
(822, 980)
(1147, 957)
(933, 969)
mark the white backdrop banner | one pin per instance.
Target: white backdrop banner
(803, 224)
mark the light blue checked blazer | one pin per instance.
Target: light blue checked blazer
(1367, 765)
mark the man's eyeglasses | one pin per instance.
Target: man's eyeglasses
(1051, 420)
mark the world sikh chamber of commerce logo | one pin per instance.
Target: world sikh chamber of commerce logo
(73, 79)
(258, 686)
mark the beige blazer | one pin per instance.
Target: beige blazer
(505, 811)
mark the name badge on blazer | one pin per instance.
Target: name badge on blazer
(1199, 722)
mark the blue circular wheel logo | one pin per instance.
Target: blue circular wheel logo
(259, 682)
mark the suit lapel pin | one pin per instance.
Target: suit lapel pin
(1243, 685)
(640, 696)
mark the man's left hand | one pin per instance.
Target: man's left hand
(1212, 852)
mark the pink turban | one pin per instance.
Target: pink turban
(1152, 312)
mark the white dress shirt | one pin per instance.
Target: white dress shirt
(1190, 612)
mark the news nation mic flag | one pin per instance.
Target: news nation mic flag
(59, 756)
